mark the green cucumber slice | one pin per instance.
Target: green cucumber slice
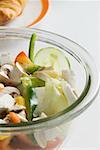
(51, 56)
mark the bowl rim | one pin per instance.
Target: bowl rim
(8, 128)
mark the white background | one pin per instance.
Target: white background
(79, 21)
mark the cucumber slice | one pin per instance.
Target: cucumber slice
(51, 56)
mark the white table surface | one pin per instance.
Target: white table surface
(79, 21)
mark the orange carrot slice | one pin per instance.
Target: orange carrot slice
(22, 58)
(26, 63)
(15, 119)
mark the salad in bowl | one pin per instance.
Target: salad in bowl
(35, 86)
(38, 93)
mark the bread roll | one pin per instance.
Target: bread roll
(10, 9)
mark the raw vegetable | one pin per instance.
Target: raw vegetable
(40, 93)
(26, 63)
(69, 76)
(45, 74)
(68, 92)
(27, 93)
(54, 101)
(23, 119)
(6, 68)
(33, 88)
(11, 91)
(20, 100)
(53, 57)
(14, 117)
(17, 108)
(16, 73)
(36, 82)
(6, 101)
(41, 83)
(31, 47)
(5, 79)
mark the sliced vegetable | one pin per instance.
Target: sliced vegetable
(41, 75)
(5, 79)
(6, 68)
(54, 101)
(45, 74)
(51, 73)
(22, 113)
(16, 73)
(36, 82)
(14, 117)
(8, 81)
(26, 63)
(40, 93)
(27, 93)
(68, 92)
(20, 100)
(51, 56)
(69, 76)
(10, 73)
(23, 119)
(36, 87)
(31, 47)
(34, 103)
(6, 101)
(13, 91)
(43, 115)
(17, 108)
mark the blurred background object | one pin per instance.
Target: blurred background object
(14, 13)
(10, 9)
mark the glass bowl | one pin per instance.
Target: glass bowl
(50, 132)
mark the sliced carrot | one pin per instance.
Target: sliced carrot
(15, 119)
(22, 58)
(26, 63)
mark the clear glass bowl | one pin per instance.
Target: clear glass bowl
(49, 133)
